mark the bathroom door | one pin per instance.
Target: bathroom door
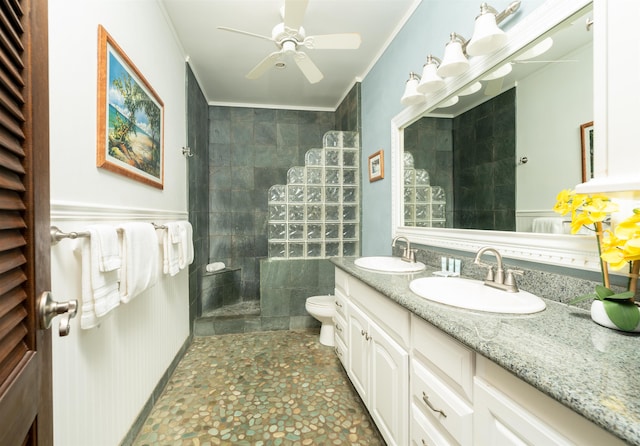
(25, 349)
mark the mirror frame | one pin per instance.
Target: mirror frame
(573, 251)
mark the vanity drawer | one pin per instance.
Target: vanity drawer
(441, 404)
(342, 281)
(393, 318)
(453, 362)
(341, 352)
(423, 433)
(340, 325)
(341, 304)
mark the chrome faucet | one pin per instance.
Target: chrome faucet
(498, 280)
(408, 254)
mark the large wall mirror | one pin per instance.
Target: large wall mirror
(482, 162)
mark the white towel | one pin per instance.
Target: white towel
(170, 253)
(99, 289)
(106, 236)
(548, 225)
(139, 247)
(185, 247)
(215, 266)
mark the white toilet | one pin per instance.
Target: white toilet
(323, 308)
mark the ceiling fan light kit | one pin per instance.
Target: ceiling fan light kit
(487, 38)
(289, 36)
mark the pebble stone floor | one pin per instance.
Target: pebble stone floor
(263, 388)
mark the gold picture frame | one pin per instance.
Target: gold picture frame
(130, 138)
(376, 166)
(586, 141)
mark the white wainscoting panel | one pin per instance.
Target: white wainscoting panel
(102, 377)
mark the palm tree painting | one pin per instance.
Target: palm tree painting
(130, 119)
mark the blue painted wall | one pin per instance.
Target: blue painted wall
(427, 31)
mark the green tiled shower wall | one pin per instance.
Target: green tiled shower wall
(472, 157)
(198, 171)
(285, 286)
(246, 151)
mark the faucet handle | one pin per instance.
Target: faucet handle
(510, 280)
(490, 276)
(412, 255)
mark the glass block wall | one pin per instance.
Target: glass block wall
(316, 214)
(424, 205)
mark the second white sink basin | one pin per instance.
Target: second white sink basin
(475, 295)
(389, 264)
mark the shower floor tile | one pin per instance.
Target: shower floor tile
(262, 388)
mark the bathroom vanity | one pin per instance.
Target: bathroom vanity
(431, 374)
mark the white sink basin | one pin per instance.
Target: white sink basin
(475, 295)
(388, 264)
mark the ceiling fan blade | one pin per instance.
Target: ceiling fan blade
(345, 41)
(264, 65)
(246, 33)
(308, 68)
(294, 13)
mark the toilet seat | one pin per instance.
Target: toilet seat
(320, 301)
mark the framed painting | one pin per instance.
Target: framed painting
(376, 166)
(586, 141)
(130, 117)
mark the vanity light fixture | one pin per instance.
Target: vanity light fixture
(537, 50)
(487, 36)
(430, 80)
(471, 89)
(449, 102)
(411, 95)
(455, 60)
(498, 72)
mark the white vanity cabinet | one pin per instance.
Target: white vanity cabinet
(377, 359)
(441, 387)
(509, 411)
(423, 387)
(340, 326)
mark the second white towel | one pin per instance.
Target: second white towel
(139, 248)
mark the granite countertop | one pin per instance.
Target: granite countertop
(560, 351)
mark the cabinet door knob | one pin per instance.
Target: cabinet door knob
(338, 304)
(425, 398)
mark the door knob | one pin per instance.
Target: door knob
(49, 308)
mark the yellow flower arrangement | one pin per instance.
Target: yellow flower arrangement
(617, 249)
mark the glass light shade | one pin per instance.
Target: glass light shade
(487, 37)
(430, 81)
(499, 72)
(454, 61)
(471, 89)
(449, 102)
(537, 50)
(411, 95)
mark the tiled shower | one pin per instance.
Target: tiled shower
(472, 157)
(250, 150)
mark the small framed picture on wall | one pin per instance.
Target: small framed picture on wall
(376, 166)
(586, 141)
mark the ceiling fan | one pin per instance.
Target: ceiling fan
(289, 36)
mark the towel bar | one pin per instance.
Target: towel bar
(57, 234)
